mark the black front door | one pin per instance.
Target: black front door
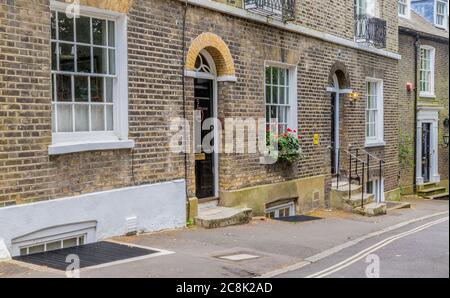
(204, 162)
(426, 152)
(333, 134)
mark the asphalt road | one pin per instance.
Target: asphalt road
(416, 251)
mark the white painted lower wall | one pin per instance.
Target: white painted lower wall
(156, 207)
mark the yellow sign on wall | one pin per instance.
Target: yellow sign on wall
(316, 139)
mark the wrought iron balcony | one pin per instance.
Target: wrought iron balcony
(370, 30)
(283, 10)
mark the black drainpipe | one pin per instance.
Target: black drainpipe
(183, 83)
(416, 99)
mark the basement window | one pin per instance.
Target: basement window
(281, 211)
(53, 245)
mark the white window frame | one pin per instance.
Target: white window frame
(370, 7)
(407, 14)
(292, 120)
(378, 139)
(445, 24)
(278, 208)
(431, 92)
(63, 143)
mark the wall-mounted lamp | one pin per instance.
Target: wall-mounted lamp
(445, 137)
(353, 96)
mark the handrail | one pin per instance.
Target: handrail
(371, 155)
(350, 178)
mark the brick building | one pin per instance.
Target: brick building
(423, 94)
(86, 103)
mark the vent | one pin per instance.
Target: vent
(132, 226)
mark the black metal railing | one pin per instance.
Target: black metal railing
(370, 30)
(354, 164)
(283, 10)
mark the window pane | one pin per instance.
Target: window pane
(275, 95)
(100, 61)
(99, 31)
(66, 57)
(81, 117)
(274, 76)
(54, 56)
(84, 30)
(268, 94)
(64, 88)
(65, 27)
(84, 59)
(37, 249)
(54, 246)
(65, 119)
(112, 62)
(273, 113)
(111, 34)
(109, 118)
(81, 89)
(70, 243)
(53, 24)
(98, 117)
(96, 89)
(282, 77)
(268, 75)
(109, 90)
(282, 95)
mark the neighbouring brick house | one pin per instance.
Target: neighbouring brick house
(86, 108)
(424, 95)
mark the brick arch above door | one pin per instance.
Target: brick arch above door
(340, 70)
(121, 6)
(218, 50)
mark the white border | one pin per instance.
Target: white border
(408, 10)
(379, 141)
(294, 98)
(63, 143)
(241, 13)
(432, 50)
(428, 115)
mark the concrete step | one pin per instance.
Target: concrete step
(372, 209)
(219, 217)
(344, 188)
(355, 200)
(441, 196)
(427, 185)
(428, 192)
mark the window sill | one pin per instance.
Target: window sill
(375, 144)
(427, 95)
(66, 148)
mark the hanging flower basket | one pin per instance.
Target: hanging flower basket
(289, 149)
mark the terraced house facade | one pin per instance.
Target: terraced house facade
(423, 98)
(87, 93)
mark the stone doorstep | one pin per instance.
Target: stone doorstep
(397, 205)
(441, 196)
(355, 200)
(219, 217)
(372, 209)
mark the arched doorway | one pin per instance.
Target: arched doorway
(339, 82)
(208, 62)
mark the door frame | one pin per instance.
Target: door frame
(212, 77)
(337, 116)
(428, 115)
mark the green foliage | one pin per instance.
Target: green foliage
(289, 149)
(405, 151)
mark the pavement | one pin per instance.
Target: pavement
(282, 249)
